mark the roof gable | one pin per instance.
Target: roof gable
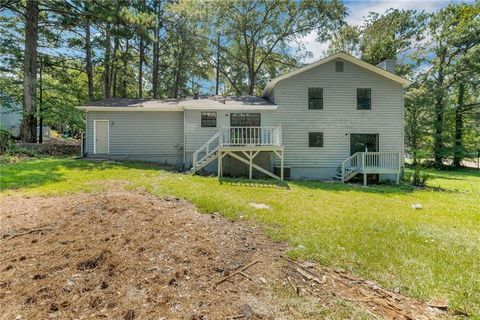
(342, 55)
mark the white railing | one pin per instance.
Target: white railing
(351, 163)
(236, 136)
(371, 162)
(251, 136)
(208, 148)
(382, 160)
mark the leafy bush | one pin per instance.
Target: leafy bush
(419, 177)
(5, 141)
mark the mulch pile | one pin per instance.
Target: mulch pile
(130, 255)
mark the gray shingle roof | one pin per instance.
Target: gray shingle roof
(203, 102)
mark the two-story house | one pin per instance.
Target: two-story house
(337, 117)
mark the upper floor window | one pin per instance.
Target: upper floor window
(315, 98)
(338, 66)
(315, 139)
(364, 98)
(209, 119)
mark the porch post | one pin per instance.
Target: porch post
(250, 166)
(281, 166)
(399, 167)
(219, 160)
(363, 169)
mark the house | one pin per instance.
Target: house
(11, 116)
(11, 119)
(337, 117)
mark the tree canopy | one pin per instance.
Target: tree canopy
(440, 52)
(55, 55)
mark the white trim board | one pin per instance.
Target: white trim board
(181, 108)
(95, 135)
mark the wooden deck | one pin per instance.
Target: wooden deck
(243, 144)
(371, 163)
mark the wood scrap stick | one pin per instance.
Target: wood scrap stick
(308, 275)
(246, 276)
(29, 232)
(237, 316)
(356, 300)
(237, 272)
(293, 285)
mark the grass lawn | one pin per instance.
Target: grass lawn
(432, 253)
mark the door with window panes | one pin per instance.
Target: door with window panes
(245, 128)
(360, 142)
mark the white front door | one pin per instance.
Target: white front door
(100, 136)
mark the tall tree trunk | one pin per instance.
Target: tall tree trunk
(251, 77)
(414, 134)
(178, 72)
(113, 67)
(125, 71)
(439, 112)
(88, 56)
(114, 83)
(106, 72)
(40, 102)
(29, 124)
(217, 76)
(458, 149)
(140, 67)
(156, 50)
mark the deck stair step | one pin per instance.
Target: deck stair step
(369, 163)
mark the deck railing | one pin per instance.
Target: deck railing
(236, 136)
(251, 136)
(371, 162)
(382, 160)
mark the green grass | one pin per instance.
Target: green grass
(374, 232)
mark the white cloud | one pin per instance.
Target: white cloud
(357, 10)
(318, 49)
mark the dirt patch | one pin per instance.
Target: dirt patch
(130, 255)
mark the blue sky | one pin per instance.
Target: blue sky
(357, 10)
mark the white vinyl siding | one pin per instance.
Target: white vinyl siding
(151, 135)
(196, 135)
(339, 116)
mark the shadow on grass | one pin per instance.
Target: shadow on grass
(255, 183)
(348, 187)
(468, 174)
(38, 172)
(320, 185)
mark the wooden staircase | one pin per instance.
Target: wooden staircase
(243, 144)
(370, 163)
(209, 150)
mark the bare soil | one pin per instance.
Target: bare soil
(130, 255)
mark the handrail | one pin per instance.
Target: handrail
(361, 162)
(239, 136)
(206, 147)
(352, 162)
(259, 135)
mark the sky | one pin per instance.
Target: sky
(358, 9)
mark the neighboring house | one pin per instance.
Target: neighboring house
(11, 120)
(337, 117)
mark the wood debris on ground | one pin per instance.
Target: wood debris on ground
(129, 255)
